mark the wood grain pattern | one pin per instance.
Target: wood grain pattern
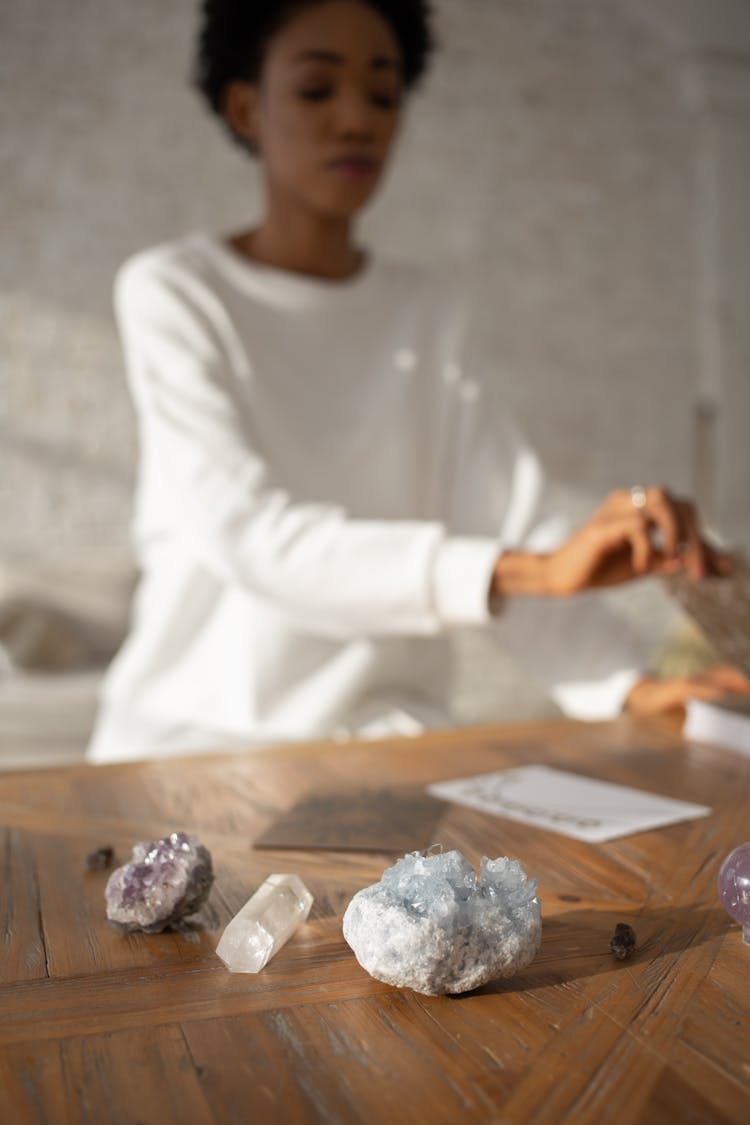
(100, 1026)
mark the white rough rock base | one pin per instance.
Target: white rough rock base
(429, 925)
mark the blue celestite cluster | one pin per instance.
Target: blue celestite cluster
(165, 881)
(431, 925)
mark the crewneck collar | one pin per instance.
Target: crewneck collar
(288, 287)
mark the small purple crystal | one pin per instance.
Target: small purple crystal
(165, 881)
(734, 888)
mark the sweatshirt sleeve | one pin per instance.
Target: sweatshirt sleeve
(334, 574)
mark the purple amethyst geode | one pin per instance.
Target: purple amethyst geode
(165, 882)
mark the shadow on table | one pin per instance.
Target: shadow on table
(576, 944)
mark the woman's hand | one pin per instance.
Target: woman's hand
(651, 696)
(622, 541)
(634, 533)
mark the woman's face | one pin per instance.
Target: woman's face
(326, 109)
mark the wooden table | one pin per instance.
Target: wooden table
(100, 1027)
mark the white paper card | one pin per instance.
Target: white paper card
(577, 806)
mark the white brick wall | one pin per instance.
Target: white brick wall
(550, 143)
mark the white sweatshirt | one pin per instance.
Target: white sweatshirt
(322, 493)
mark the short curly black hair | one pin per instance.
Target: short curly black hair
(234, 34)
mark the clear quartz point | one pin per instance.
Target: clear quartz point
(264, 924)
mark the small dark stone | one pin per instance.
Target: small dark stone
(622, 942)
(101, 858)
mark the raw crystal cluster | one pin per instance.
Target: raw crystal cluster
(264, 924)
(165, 881)
(431, 925)
(734, 888)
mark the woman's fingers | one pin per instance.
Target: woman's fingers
(633, 534)
(695, 551)
(634, 530)
(662, 512)
(654, 524)
(651, 696)
(607, 550)
(727, 677)
(672, 525)
(719, 564)
(642, 551)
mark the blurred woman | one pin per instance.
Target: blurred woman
(327, 490)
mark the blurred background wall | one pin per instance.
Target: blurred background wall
(592, 157)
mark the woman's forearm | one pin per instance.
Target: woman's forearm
(520, 573)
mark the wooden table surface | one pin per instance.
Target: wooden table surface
(97, 1027)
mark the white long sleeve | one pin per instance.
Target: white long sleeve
(331, 571)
